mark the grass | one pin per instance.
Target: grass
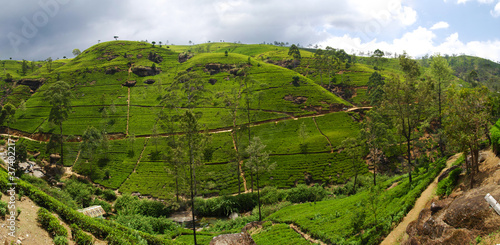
(278, 234)
(328, 220)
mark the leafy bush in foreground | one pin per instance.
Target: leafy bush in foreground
(446, 186)
(50, 223)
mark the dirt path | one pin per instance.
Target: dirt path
(137, 164)
(329, 142)
(242, 174)
(305, 235)
(398, 233)
(128, 110)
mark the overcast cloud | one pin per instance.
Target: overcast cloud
(38, 29)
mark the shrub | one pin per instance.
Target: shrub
(446, 186)
(61, 240)
(154, 209)
(147, 224)
(80, 237)
(270, 195)
(225, 205)
(109, 195)
(302, 193)
(80, 192)
(50, 223)
(3, 209)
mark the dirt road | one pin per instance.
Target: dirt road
(396, 235)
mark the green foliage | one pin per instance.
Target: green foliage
(61, 240)
(279, 234)
(109, 195)
(151, 225)
(80, 237)
(495, 137)
(130, 205)
(327, 219)
(446, 186)
(80, 192)
(302, 193)
(375, 88)
(3, 208)
(101, 229)
(50, 223)
(270, 195)
(225, 205)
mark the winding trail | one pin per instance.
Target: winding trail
(396, 235)
(240, 163)
(329, 142)
(305, 235)
(136, 164)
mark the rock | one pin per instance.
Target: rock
(155, 57)
(482, 156)
(233, 216)
(129, 84)
(183, 57)
(34, 84)
(295, 99)
(54, 158)
(144, 71)
(251, 225)
(242, 238)
(435, 207)
(112, 70)
(149, 81)
(446, 172)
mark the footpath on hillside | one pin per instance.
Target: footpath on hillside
(397, 234)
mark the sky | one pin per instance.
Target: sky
(38, 29)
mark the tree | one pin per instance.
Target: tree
(473, 78)
(319, 62)
(225, 53)
(193, 144)
(406, 103)
(153, 42)
(375, 135)
(115, 37)
(59, 97)
(7, 114)
(258, 161)
(375, 89)
(91, 141)
(49, 64)
(294, 52)
(24, 68)
(232, 102)
(303, 134)
(442, 74)
(159, 43)
(466, 120)
(76, 52)
(355, 153)
(378, 54)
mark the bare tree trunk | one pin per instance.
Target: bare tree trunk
(62, 148)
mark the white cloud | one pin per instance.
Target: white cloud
(440, 25)
(418, 43)
(496, 11)
(480, 1)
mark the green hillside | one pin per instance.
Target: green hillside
(138, 96)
